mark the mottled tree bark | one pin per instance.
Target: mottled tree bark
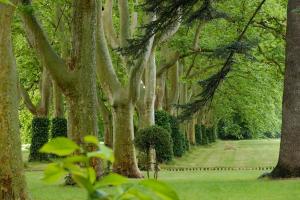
(82, 102)
(12, 180)
(191, 131)
(58, 99)
(289, 157)
(124, 151)
(78, 80)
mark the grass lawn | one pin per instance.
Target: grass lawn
(202, 185)
(245, 153)
(228, 185)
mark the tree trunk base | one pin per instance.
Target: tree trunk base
(281, 171)
(129, 172)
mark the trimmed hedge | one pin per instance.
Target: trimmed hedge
(221, 129)
(204, 134)
(157, 138)
(162, 119)
(187, 143)
(210, 134)
(198, 134)
(177, 137)
(215, 136)
(40, 135)
(59, 127)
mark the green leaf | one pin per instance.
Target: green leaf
(76, 159)
(91, 139)
(139, 194)
(53, 173)
(60, 146)
(92, 175)
(162, 190)
(99, 195)
(75, 169)
(111, 180)
(7, 2)
(104, 153)
(84, 182)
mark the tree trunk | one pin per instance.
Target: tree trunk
(12, 180)
(289, 156)
(107, 123)
(146, 115)
(58, 101)
(124, 151)
(82, 100)
(191, 131)
(160, 92)
(173, 90)
(146, 103)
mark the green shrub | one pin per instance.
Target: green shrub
(233, 132)
(59, 127)
(269, 134)
(198, 134)
(215, 134)
(210, 135)
(277, 135)
(142, 158)
(187, 143)
(221, 129)
(177, 137)
(158, 138)
(40, 135)
(205, 139)
(162, 119)
(246, 133)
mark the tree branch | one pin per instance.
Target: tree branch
(108, 25)
(105, 70)
(49, 57)
(27, 100)
(124, 22)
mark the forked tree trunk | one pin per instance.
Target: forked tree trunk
(123, 98)
(12, 180)
(289, 156)
(124, 150)
(78, 80)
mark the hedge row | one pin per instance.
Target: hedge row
(171, 124)
(205, 135)
(40, 135)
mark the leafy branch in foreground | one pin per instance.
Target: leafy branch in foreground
(113, 186)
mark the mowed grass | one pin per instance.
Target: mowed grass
(227, 185)
(245, 153)
(202, 185)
